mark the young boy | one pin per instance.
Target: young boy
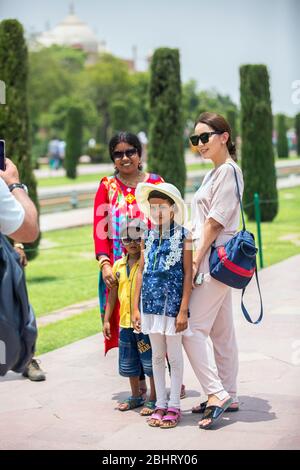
(134, 348)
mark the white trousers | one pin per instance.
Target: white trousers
(172, 346)
(211, 315)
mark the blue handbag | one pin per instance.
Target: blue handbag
(234, 263)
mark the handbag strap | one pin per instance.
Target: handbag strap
(244, 310)
(239, 195)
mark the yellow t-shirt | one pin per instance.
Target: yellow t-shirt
(126, 289)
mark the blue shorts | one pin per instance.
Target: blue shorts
(134, 351)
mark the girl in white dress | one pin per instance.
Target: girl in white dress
(164, 284)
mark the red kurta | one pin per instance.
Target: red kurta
(114, 204)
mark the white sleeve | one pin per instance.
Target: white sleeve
(225, 200)
(12, 213)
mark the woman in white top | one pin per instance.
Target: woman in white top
(215, 218)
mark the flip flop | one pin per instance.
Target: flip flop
(201, 408)
(132, 402)
(149, 407)
(214, 413)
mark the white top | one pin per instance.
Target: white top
(217, 198)
(11, 211)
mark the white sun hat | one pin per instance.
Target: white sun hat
(144, 189)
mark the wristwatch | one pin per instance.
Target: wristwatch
(13, 186)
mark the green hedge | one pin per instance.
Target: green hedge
(14, 121)
(256, 131)
(166, 155)
(282, 142)
(73, 140)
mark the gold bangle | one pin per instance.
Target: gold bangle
(104, 261)
(103, 258)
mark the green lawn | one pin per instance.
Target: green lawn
(65, 272)
(59, 334)
(281, 238)
(199, 166)
(291, 157)
(63, 180)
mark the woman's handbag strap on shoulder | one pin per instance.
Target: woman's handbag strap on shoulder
(239, 195)
(218, 266)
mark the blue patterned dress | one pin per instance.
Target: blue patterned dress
(163, 277)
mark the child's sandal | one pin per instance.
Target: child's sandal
(148, 408)
(156, 418)
(131, 403)
(171, 420)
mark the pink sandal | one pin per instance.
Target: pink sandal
(157, 417)
(171, 420)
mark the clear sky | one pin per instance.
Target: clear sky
(214, 36)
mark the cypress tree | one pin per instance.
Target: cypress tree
(14, 121)
(231, 118)
(256, 131)
(282, 142)
(297, 128)
(166, 155)
(118, 116)
(74, 127)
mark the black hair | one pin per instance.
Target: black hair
(126, 137)
(157, 194)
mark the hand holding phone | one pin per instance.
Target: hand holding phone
(2, 155)
(10, 174)
(199, 279)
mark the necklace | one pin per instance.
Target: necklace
(132, 182)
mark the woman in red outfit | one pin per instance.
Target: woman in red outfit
(114, 205)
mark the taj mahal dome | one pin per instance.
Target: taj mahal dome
(71, 32)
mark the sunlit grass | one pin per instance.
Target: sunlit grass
(61, 333)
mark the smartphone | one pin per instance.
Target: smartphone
(2, 155)
(199, 279)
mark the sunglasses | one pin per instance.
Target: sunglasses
(128, 240)
(204, 137)
(129, 153)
